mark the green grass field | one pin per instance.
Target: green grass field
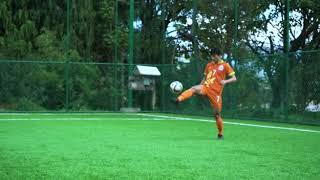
(153, 146)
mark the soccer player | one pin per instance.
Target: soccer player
(216, 75)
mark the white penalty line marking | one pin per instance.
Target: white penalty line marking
(64, 114)
(81, 119)
(155, 118)
(231, 123)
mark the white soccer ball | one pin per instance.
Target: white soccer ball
(176, 87)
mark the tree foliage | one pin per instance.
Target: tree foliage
(37, 30)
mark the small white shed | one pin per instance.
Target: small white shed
(144, 79)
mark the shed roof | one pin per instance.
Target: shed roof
(147, 71)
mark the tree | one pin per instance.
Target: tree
(304, 36)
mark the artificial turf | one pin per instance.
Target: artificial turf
(128, 146)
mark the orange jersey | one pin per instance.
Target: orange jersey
(215, 73)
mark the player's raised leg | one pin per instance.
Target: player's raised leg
(198, 89)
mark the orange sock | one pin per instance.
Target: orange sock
(185, 95)
(219, 124)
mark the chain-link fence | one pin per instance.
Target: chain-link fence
(259, 92)
(78, 55)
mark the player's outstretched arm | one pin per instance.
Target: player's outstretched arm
(230, 80)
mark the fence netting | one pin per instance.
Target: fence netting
(79, 55)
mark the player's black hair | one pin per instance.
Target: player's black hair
(216, 51)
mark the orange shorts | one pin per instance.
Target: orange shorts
(214, 98)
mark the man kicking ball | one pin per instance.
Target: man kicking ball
(216, 74)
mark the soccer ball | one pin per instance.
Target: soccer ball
(176, 87)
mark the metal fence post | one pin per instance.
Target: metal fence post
(194, 29)
(66, 77)
(116, 53)
(286, 63)
(131, 46)
(235, 50)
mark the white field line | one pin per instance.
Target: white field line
(81, 119)
(64, 114)
(151, 117)
(232, 123)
